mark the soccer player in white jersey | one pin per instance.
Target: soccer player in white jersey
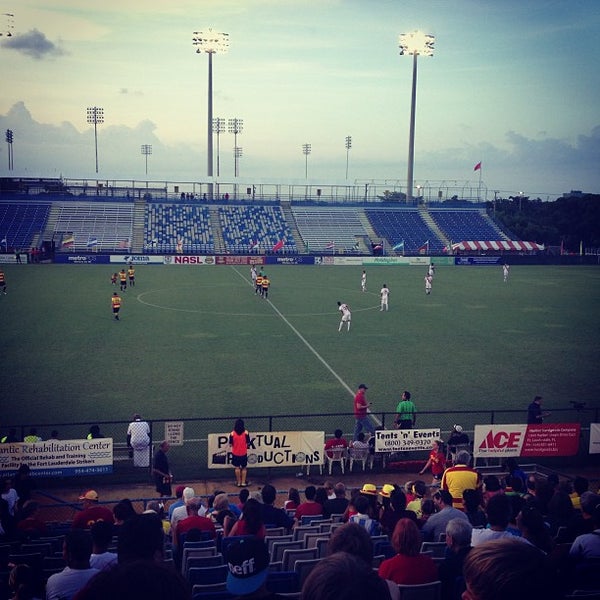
(505, 271)
(346, 315)
(428, 280)
(253, 274)
(363, 281)
(384, 293)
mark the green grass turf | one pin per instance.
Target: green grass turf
(197, 342)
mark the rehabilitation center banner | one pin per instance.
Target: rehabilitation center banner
(270, 449)
(58, 458)
(560, 439)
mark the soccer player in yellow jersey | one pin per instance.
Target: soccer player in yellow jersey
(131, 275)
(266, 282)
(258, 282)
(116, 305)
(123, 279)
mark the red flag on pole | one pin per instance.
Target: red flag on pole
(477, 167)
(278, 245)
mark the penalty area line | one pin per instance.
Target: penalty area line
(309, 346)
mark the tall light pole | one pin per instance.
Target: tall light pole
(414, 43)
(9, 141)
(146, 150)
(95, 116)
(211, 42)
(237, 154)
(306, 150)
(236, 126)
(218, 128)
(348, 146)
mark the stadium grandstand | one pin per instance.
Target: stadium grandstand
(125, 217)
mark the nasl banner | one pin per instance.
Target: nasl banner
(270, 449)
(560, 439)
(401, 440)
(58, 458)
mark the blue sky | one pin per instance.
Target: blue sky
(513, 84)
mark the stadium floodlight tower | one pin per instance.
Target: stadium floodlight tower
(236, 126)
(211, 42)
(348, 145)
(218, 128)
(415, 43)
(95, 116)
(306, 150)
(146, 150)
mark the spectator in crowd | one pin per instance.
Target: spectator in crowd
(460, 477)
(161, 470)
(533, 528)
(419, 489)
(137, 580)
(91, 512)
(309, 507)
(138, 441)
(514, 486)
(77, 548)
(458, 541)
(436, 462)
(473, 508)
(457, 438)
(498, 517)
(321, 496)
(10, 495)
(428, 508)
(11, 437)
(243, 495)
(23, 483)
(338, 504)
(221, 514)
(582, 522)
(193, 521)
(251, 521)
(24, 583)
(337, 441)
(363, 518)
(343, 575)
(181, 511)
(369, 491)
(29, 522)
(95, 433)
(293, 501)
(248, 562)
(409, 566)
(354, 539)
(178, 500)
(122, 511)
(32, 436)
(508, 568)
(273, 516)
(101, 558)
(512, 466)
(141, 537)
(491, 487)
(587, 545)
(580, 486)
(560, 508)
(393, 509)
(436, 523)
(328, 485)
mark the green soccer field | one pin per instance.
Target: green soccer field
(197, 342)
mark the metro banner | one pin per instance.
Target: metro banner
(270, 449)
(546, 439)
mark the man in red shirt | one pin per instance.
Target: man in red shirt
(193, 521)
(335, 442)
(308, 508)
(91, 511)
(361, 407)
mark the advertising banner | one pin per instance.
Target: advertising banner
(137, 259)
(290, 260)
(240, 260)
(58, 458)
(270, 449)
(594, 438)
(185, 259)
(560, 439)
(478, 260)
(402, 440)
(81, 259)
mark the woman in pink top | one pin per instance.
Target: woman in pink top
(250, 523)
(409, 566)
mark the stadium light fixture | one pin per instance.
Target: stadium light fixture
(348, 146)
(95, 116)
(9, 141)
(306, 150)
(218, 128)
(210, 42)
(236, 126)
(146, 150)
(415, 43)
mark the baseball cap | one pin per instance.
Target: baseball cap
(188, 494)
(248, 563)
(179, 491)
(386, 490)
(369, 489)
(89, 495)
(362, 386)
(458, 428)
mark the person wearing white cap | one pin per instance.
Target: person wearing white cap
(457, 438)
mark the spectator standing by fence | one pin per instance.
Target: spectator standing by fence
(239, 440)
(138, 440)
(161, 471)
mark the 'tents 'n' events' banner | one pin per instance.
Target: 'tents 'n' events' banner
(270, 449)
(58, 458)
(400, 440)
(560, 439)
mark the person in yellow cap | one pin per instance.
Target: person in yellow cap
(91, 512)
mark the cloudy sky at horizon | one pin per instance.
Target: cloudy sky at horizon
(513, 84)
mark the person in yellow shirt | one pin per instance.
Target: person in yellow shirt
(266, 282)
(123, 279)
(131, 275)
(258, 282)
(116, 305)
